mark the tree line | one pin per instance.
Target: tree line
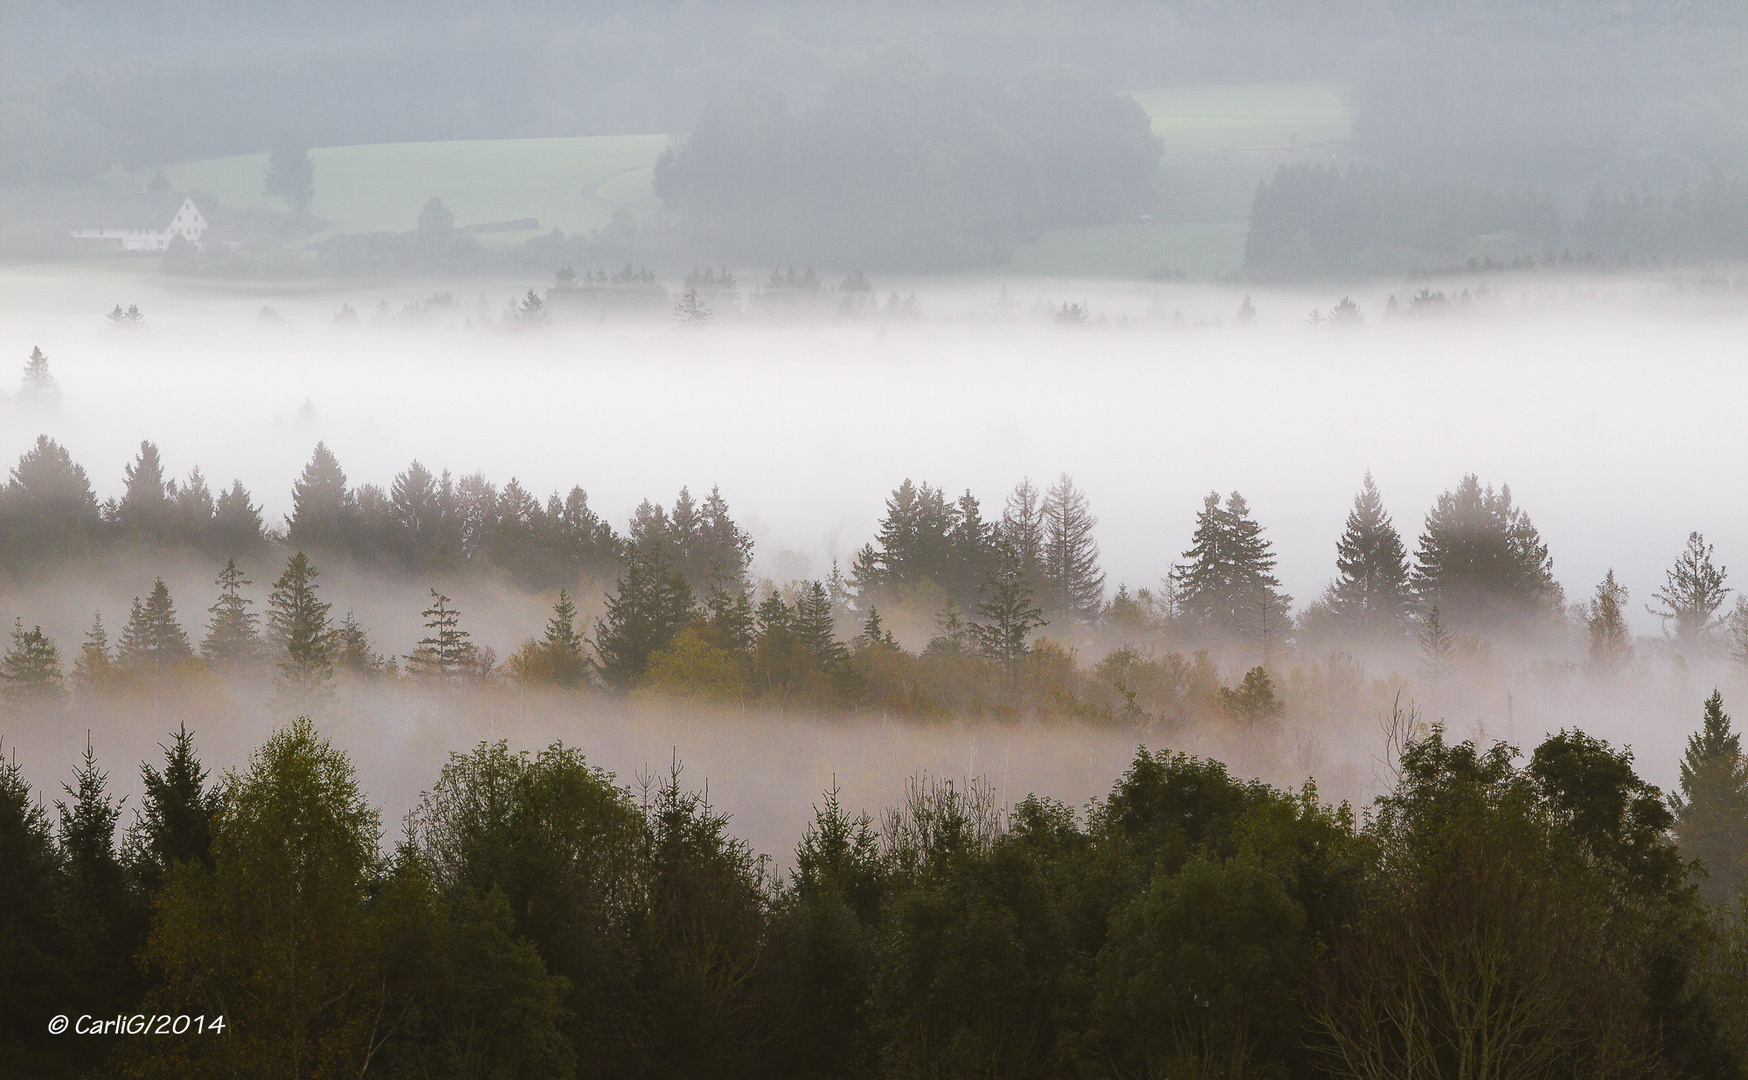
(537, 917)
(1002, 596)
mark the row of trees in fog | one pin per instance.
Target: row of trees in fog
(536, 917)
(1479, 561)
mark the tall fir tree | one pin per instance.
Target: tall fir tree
(297, 627)
(1438, 646)
(1693, 590)
(562, 645)
(352, 651)
(39, 387)
(100, 918)
(237, 529)
(145, 506)
(321, 504)
(446, 651)
(153, 640)
(32, 971)
(1022, 531)
(1711, 813)
(652, 604)
(95, 665)
(30, 672)
(231, 638)
(814, 630)
(1482, 562)
(175, 820)
(972, 542)
(1371, 597)
(1008, 614)
(1611, 643)
(1227, 580)
(1074, 587)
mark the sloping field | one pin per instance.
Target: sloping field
(1263, 116)
(571, 184)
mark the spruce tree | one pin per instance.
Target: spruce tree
(1008, 612)
(175, 820)
(1736, 634)
(193, 510)
(39, 387)
(971, 541)
(725, 551)
(153, 640)
(31, 971)
(53, 508)
(237, 529)
(352, 651)
(321, 504)
(1371, 598)
(729, 614)
(230, 633)
(98, 915)
(1711, 813)
(562, 646)
(1611, 645)
(94, 665)
(297, 626)
(1022, 530)
(1693, 590)
(1437, 646)
(813, 628)
(652, 604)
(418, 514)
(30, 672)
(145, 506)
(1073, 584)
(445, 651)
(1227, 581)
(291, 175)
(1482, 561)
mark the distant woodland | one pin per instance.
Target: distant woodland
(919, 137)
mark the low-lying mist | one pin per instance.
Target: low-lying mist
(1601, 402)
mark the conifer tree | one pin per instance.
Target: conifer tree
(1371, 597)
(1437, 646)
(145, 506)
(94, 665)
(1736, 633)
(321, 504)
(297, 626)
(1711, 813)
(652, 604)
(725, 551)
(1073, 583)
(729, 615)
(1008, 612)
(30, 672)
(53, 508)
(445, 651)
(418, 513)
(1611, 645)
(291, 175)
(1227, 581)
(352, 651)
(562, 646)
(1693, 590)
(39, 387)
(230, 633)
(237, 528)
(30, 969)
(153, 640)
(95, 908)
(1022, 530)
(971, 541)
(175, 820)
(193, 509)
(814, 631)
(1482, 561)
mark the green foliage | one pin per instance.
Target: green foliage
(1227, 580)
(1370, 598)
(1711, 813)
(1482, 562)
(291, 175)
(231, 637)
(176, 817)
(30, 672)
(153, 641)
(652, 605)
(297, 627)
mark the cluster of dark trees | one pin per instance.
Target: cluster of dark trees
(535, 918)
(900, 167)
(1313, 220)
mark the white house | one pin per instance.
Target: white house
(129, 221)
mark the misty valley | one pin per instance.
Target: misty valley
(1002, 540)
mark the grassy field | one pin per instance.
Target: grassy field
(571, 184)
(1265, 116)
(1220, 141)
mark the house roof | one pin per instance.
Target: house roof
(117, 209)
